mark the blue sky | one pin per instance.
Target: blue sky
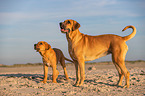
(25, 22)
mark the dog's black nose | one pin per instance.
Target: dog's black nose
(35, 46)
(60, 23)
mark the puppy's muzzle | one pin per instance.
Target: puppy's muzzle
(35, 47)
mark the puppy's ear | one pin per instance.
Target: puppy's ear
(76, 25)
(47, 46)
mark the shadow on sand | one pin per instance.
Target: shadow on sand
(61, 78)
(36, 77)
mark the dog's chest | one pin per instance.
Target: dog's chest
(48, 64)
(46, 61)
(71, 51)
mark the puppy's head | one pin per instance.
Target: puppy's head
(69, 26)
(41, 46)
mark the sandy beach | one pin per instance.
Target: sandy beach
(100, 80)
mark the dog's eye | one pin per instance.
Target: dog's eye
(40, 43)
(68, 22)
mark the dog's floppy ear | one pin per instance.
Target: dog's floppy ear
(76, 25)
(47, 46)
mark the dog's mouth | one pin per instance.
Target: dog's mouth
(65, 30)
(37, 50)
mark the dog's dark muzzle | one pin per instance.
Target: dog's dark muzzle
(63, 28)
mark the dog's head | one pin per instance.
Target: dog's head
(41, 46)
(69, 26)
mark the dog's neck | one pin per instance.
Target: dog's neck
(44, 55)
(45, 52)
(45, 58)
(42, 52)
(74, 36)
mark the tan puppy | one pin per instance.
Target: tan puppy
(86, 48)
(50, 58)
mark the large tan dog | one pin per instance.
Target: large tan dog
(50, 58)
(85, 48)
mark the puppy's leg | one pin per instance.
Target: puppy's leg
(62, 62)
(45, 67)
(55, 74)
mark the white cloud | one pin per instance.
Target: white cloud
(93, 3)
(14, 17)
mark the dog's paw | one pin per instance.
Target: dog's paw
(67, 79)
(76, 84)
(54, 81)
(43, 81)
(126, 86)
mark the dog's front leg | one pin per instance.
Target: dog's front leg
(77, 74)
(45, 67)
(55, 74)
(81, 64)
(80, 72)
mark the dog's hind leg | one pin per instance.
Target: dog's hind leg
(55, 74)
(118, 57)
(62, 62)
(121, 75)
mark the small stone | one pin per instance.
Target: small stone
(33, 77)
(133, 78)
(91, 68)
(119, 90)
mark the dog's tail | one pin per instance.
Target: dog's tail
(68, 59)
(126, 38)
